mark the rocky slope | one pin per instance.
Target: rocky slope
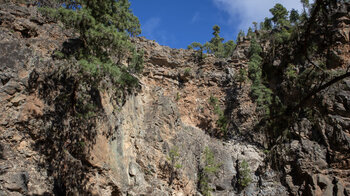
(49, 144)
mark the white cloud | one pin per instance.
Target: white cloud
(195, 17)
(150, 26)
(248, 11)
(152, 30)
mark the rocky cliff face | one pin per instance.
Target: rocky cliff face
(316, 159)
(63, 135)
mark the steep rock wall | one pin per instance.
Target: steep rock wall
(47, 148)
(122, 148)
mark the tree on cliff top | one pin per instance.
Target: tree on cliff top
(104, 25)
(280, 15)
(215, 45)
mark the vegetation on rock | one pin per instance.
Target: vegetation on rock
(104, 28)
(244, 174)
(214, 46)
(210, 168)
(261, 94)
(222, 122)
(174, 158)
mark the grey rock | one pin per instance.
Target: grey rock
(17, 182)
(347, 83)
(3, 193)
(230, 73)
(238, 55)
(133, 169)
(11, 88)
(276, 63)
(339, 107)
(325, 184)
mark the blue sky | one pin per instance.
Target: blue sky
(178, 23)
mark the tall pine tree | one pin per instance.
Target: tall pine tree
(215, 44)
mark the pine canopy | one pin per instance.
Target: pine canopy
(104, 25)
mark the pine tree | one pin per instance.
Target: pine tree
(240, 35)
(279, 14)
(261, 94)
(103, 25)
(255, 25)
(199, 55)
(294, 16)
(229, 46)
(267, 24)
(306, 4)
(250, 32)
(215, 45)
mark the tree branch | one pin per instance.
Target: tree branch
(315, 91)
(308, 59)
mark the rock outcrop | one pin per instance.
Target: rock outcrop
(125, 150)
(62, 135)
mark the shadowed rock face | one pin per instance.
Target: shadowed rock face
(50, 146)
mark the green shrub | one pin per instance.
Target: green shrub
(82, 144)
(242, 75)
(178, 96)
(210, 167)
(174, 158)
(59, 55)
(199, 55)
(213, 101)
(290, 72)
(244, 174)
(222, 122)
(187, 71)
